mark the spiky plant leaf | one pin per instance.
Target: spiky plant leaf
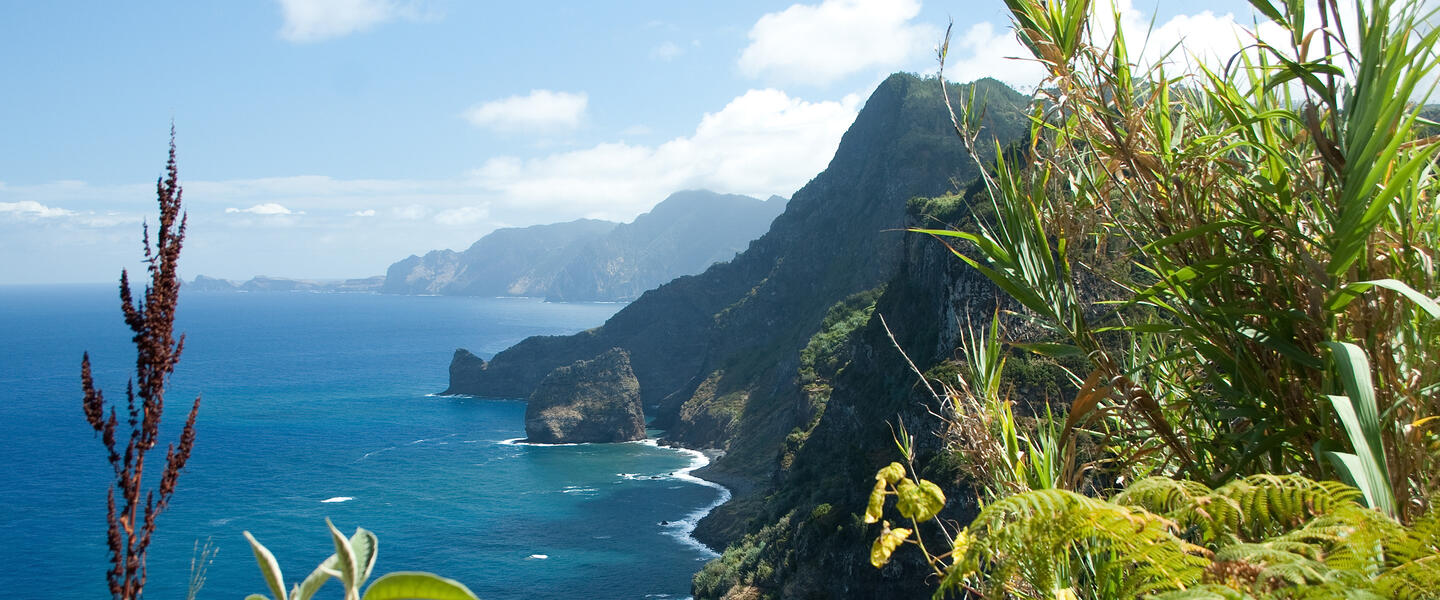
(269, 567)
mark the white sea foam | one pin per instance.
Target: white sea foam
(337, 499)
(537, 557)
(374, 452)
(522, 442)
(575, 489)
(684, 528)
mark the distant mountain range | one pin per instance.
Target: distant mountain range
(591, 260)
(281, 284)
(585, 260)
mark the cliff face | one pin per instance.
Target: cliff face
(465, 369)
(596, 400)
(804, 535)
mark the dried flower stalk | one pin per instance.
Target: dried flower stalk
(132, 520)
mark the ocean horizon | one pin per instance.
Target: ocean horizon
(325, 405)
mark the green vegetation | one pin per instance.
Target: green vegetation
(1262, 536)
(1236, 268)
(352, 562)
(823, 355)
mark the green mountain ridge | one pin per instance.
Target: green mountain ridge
(730, 358)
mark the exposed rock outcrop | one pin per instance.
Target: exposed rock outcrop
(465, 370)
(596, 400)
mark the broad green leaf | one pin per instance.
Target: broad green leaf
(1360, 469)
(919, 502)
(876, 506)
(1354, 371)
(1353, 472)
(891, 473)
(1268, 10)
(885, 545)
(1350, 291)
(269, 567)
(416, 585)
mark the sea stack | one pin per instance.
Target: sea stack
(596, 400)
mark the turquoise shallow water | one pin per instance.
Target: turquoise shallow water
(319, 405)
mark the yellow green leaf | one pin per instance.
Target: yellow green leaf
(877, 502)
(920, 502)
(892, 473)
(885, 545)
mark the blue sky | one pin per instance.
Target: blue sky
(329, 138)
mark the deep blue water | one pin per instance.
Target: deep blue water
(319, 405)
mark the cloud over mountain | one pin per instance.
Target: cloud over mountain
(540, 111)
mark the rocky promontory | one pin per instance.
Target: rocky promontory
(596, 400)
(465, 370)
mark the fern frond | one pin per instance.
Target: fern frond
(1417, 579)
(1041, 537)
(1204, 592)
(1161, 495)
(1274, 504)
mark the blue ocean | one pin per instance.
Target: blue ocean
(322, 405)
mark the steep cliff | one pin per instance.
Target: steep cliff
(804, 540)
(596, 400)
(465, 369)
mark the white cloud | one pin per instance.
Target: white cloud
(819, 44)
(637, 130)
(763, 142)
(667, 51)
(541, 110)
(465, 215)
(410, 212)
(32, 209)
(266, 209)
(369, 212)
(982, 51)
(316, 20)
